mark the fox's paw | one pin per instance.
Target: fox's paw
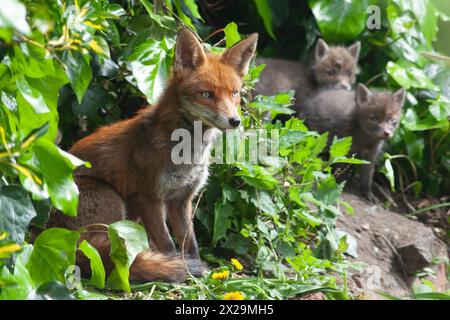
(370, 197)
(197, 267)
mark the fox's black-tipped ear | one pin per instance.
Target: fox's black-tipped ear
(189, 51)
(399, 97)
(240, 55)
(363, 95)
(354, 50)
(322, 50)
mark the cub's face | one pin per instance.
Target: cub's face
(335, 67)
(379, 112)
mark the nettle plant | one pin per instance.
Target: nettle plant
(279, 212)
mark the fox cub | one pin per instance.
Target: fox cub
(331, 67)
(370, 117)
(132, 173)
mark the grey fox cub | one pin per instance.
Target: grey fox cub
(331, 67)
(369, 116)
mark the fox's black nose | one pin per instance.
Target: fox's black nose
(345, 86)
(234, 122)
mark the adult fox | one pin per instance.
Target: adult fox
(132, 173)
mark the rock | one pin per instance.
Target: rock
(417, 255)
(391, 249)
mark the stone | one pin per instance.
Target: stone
(417, 255)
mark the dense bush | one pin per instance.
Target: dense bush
(68, 67)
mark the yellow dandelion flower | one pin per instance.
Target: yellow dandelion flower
(236, 295)
(220, 275)
(237, 264)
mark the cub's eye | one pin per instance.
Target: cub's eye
(206, 94)
(349, 73)
(331, 72)
(373, 118)
(235, 94)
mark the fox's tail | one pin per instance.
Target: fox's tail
(148, 265)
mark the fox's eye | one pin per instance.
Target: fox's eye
(373, 118)
(331, 72)
(206, 94)
(349, 73)
(235, 93)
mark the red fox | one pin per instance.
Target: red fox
(369, 116)
(132, 172)
(332, 67)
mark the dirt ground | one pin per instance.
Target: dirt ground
(392, 248)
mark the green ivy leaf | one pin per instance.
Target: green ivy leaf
(97, 269)
(193, 8)
(426, 13)
(340, 20)
(33, 96)
(78, 71)
(57, 166)
(19, 283)
(265, 13)
(54, 251)
(231, 34)
(16, 212)
(128, 239)
(150, 68)
(182, 15)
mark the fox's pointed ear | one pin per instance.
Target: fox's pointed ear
(399, 97)
(189, 51)
(363, 95)
(322, 50)
(240, 55)
(354, 50)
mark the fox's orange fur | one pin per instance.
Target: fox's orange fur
(131, 159)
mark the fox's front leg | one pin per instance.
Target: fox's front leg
(151, 212)
(181, 219)
(366, 176)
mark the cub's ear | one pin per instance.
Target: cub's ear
(363, 95)
(354, 50)
(399, 97)
(322, 50)
(241, 53)
(189, 52)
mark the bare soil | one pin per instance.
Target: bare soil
(380, 234)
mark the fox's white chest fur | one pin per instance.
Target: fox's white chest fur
(188, 178)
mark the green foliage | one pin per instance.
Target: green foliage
(16, 212)
(67, 69)
(128, 239)
(53, 252)
(98, 271)
(400, 53)
(340, 20)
